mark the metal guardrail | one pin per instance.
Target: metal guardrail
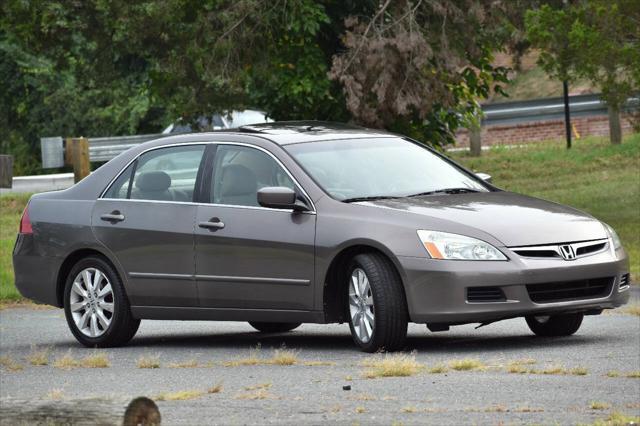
(546, 109)
(39, 183)
(106, 148)
(100, 149)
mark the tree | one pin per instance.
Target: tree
(62, 75)
(100, 67)
(596, 39)
(428, 61)
(292, 83)
(418, 67)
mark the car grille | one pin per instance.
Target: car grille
(553, 250)
(485, 294)
(570, 290)
(584, 250)
(624, 281)
(537, 253)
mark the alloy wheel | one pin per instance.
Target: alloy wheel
(91, 302)
(361, 306)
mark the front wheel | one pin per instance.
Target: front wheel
(274, 327)
(555, 325)
(377, 307)
(95, 305)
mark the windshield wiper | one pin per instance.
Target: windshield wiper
(445, 191)
(388, 197)
(370, 198)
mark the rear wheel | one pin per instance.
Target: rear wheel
(377, 307)
(95, 305)
(555, 325)
(274, 327)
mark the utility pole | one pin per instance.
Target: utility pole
(565, 90)
(567, 112)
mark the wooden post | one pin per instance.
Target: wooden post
(475, 140)
(80, 158)
(6, 171)
(68, 153)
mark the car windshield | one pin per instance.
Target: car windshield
(350, 170)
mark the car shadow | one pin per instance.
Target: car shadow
(342, 342)
(498, 343)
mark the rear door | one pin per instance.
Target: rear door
(252, 257)
(146, 219)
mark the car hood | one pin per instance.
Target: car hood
(513, 219)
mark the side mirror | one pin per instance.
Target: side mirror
(280, 197)
(485, 177)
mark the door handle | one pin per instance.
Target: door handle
(212, 224)
(114, 216)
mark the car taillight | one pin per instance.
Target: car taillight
(25, 222)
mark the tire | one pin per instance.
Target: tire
(114, 328)
(383, 299)
(274, 327)
(555, 325)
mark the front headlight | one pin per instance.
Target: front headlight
(614, 236)
(443, 245)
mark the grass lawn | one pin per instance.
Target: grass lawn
(11, 207)
(593, 176)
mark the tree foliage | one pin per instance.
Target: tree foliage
(62, 75)
(409, 58)
(292, 83)
(107, 67)
(595, 39)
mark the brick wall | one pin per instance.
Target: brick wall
(541, 131)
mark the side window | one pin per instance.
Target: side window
(120, 187)
(239, 172)
(167, 174)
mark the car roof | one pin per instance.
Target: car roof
(290, 132)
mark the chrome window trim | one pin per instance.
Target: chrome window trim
(248, 145)
(191, 203)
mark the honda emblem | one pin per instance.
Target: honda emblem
(567, 252)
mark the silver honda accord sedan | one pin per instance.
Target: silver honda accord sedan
(280, 224)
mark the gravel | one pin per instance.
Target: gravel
(335, 393)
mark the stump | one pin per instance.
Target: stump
(140, 411)
(6, 171)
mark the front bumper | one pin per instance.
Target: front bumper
(436, 290)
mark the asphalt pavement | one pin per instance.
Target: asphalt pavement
(576, 389)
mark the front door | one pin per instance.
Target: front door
(248, 256)
(146, 219)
